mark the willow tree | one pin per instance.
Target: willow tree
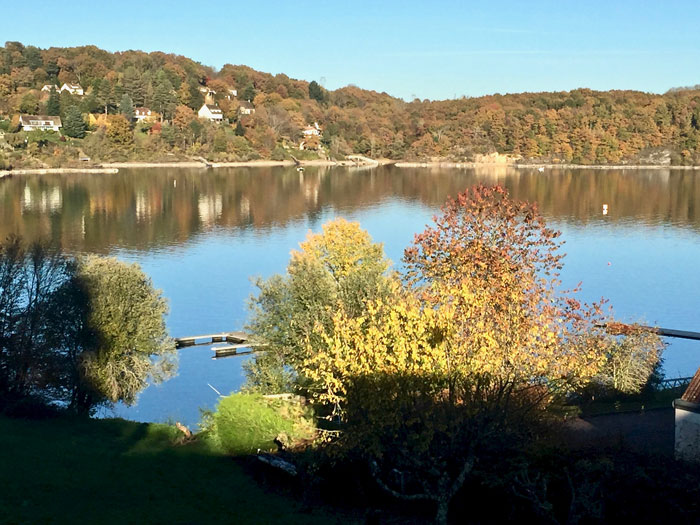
(78, 333)
(119, 338)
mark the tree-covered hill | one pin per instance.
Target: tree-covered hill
(580, 126)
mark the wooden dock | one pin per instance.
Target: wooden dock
(623, 329)
(231, 344)
(235, 343)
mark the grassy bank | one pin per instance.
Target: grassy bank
(114, 471)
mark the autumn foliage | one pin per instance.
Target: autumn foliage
(462, 353)
(581, 126)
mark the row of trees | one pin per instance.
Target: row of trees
(77, 334)
(464, 352)
(581, 126)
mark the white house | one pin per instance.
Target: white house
(42, 122)
(687, 434)
(310, 131)
(73, 89)
(232, 93)
(141, 114)
(49, 87)
(207, 92)
(246, 108)
(211, 112)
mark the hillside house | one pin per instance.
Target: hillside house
(311, 131)
(39, 122)
(143, 114)
(246, 108)
(232, 93)
(208, 93)
(687, 417)
(73, 89)
(48, 87)
(211, 112)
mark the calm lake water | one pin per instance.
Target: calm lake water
(202, 235)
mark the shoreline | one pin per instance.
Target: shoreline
(545, 166)
(114, 167)
(56, 171)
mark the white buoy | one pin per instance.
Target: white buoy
(175, 183)
(605, 209)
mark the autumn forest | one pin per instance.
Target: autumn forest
(264, 116)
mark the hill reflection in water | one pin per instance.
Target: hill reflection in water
(145, 209)
(202, 234)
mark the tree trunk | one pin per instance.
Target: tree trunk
(443, 507)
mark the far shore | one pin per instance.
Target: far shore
(114, 167)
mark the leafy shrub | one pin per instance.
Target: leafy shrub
(244, 423)
(279, 153)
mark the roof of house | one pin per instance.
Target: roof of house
(213, 108)
(141, 111)
(692, 393)
(246, 104)
(25, 120)
(73, 86)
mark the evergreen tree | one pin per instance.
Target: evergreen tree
(164, 99)
(105, 95)
(53, 105)
(315, 91)
(74, 125)
(126, 107)
(133, 86)
(249, 93)
(32, 55)
(52, 70)
(240, 130)
(67, 100)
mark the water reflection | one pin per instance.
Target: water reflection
(141, 209)
(202, 234)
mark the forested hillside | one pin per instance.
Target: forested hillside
(581, 126)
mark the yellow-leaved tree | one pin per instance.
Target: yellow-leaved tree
(339, 269)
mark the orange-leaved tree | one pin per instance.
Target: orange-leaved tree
(493, 264)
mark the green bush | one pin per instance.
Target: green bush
(244, 423)
(279, 153)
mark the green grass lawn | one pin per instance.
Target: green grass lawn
(74, 471)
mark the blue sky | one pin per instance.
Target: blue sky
(433, 50)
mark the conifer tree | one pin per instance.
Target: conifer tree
(133, 86)
(53, 105)
(74, 125)
(126, 107)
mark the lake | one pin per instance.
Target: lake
(202, 235)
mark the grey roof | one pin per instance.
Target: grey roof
(213, 108)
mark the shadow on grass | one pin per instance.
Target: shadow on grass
(69, 470)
